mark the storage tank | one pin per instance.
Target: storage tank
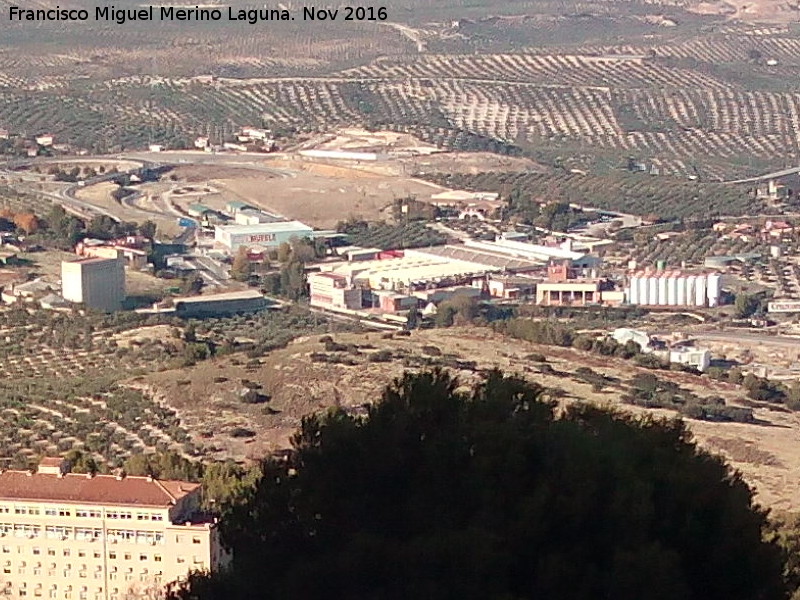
(662, 289)
(691, 290)
(643, 289)
(680, 291)
(714, 289)
(700, 296)
(633, 293)
(672, 289)
(652, 287)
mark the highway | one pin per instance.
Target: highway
(767, 176)
(67, 196)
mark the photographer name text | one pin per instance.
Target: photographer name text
(120, 16)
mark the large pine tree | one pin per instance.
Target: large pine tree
(495, 494)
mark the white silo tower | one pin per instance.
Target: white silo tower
(662, 289)
(714, 289)
(700, 295)
(672, 288)
(691, 290)
(652, 286)
(633, 293)
(680, 291)
(643, 289)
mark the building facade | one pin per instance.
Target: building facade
(328, 290)
(70, 536)
(268, 235)
(98, 283)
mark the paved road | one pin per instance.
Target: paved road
(746, 338)
(773, 175)
(67, 196)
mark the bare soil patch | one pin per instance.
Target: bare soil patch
(208, 396)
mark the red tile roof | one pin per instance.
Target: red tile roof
(100, 489)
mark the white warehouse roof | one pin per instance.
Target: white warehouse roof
(523, 249)
(276, 227)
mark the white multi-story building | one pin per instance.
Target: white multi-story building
(98, 283)
(69, 536)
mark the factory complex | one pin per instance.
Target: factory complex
(398, 280)
(503, 269)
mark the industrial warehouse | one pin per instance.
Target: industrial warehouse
(399, 280)
(267, 235)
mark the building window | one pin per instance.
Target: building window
(50, 512)
(37, 551)
(51, 552)
(64, 512)
(112, 555)
(127, 556)
(180, 560)
(157, 558)
(195, 540)
(143, 557)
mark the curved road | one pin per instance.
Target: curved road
(67, 195)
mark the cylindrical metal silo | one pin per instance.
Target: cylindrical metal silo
(672, 289)
(714, 289)
(633, 294)
(700, 296)
(652, 286)
(680, 293)
(643, 289)
(662, 289)
(691, 290)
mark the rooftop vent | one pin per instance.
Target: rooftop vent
(53, 465)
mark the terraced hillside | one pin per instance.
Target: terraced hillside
(715, 101)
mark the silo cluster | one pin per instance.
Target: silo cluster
(674, 288)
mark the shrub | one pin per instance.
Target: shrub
(241, 432)
(380, 356)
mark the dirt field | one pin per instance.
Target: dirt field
(207, 398)
(47, 264)
(316, 192)
(323, 195)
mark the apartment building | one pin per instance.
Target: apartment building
(71, 536)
